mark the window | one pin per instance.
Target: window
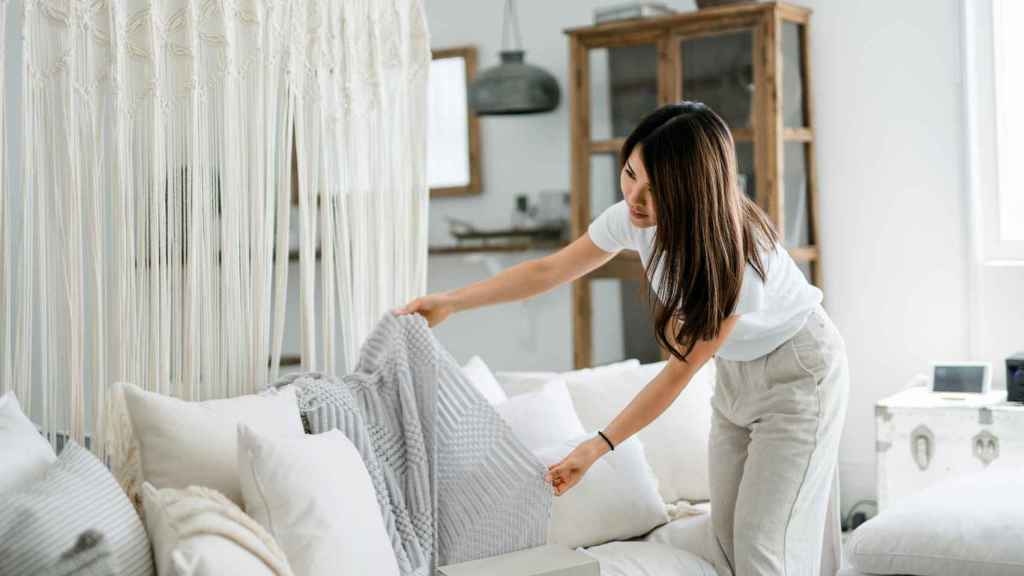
(994, 89)
(1008, 72)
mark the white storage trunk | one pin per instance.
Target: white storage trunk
(923, 438)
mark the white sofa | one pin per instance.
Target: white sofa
(682, 545)
(671, 540)
(676, 447)
(49, 504)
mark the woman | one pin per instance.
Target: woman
(725, 289)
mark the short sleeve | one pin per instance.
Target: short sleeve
(752, 293)
(610, 230)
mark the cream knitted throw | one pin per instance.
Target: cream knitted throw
(200, 511)
(452, 481)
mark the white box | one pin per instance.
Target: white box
(548, 560)
(923, 438)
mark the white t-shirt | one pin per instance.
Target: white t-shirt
(770, 312)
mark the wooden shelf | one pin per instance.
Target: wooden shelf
(742, 134)
(706, 21)
(450, 250)
(613, 145)
(797, 134)
(803, 253)
(610, 146)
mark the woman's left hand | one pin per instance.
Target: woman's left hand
(565, 474)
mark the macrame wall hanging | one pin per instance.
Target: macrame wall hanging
(148, 241)
(361, 135)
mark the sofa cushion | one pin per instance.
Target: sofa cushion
(183, 443)
(24, 453)
(692, 533)
(617, 498)
(41, 522)
(676, 443)
(315, 497)
(970, 525)
(648, 559)
(515, 383)
(483, 380)
(199, 532)
(542, 418)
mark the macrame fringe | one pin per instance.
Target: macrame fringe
(125, 458)
(152, 220)
(196, 511)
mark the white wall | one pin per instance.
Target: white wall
(889, 128)
(1001, 316)
(889, 119)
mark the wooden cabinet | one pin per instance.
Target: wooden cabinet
(747, 62)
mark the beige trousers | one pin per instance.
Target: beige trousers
(773, 450)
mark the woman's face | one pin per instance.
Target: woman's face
(636, 190)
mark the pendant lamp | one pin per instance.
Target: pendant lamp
(513, 86)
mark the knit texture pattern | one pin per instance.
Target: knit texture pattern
(452, 481)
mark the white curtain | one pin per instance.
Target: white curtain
(360, 123)
(153, 215)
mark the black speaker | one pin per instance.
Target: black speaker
(1015, 378)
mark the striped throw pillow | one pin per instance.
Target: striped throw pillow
(41, 522)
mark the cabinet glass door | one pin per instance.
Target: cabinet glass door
(718, 70)
(623, 89)
(796, 225)
(745, 169)
(793, 115)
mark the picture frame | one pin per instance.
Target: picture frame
(453, 146)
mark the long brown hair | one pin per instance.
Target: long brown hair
(707, 230)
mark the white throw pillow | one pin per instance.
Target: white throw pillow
(315, 497)
(648, 559)
(483, 380)
(196, 443)
(616, 499)
(199, 532)
(542, 418)
(41, 523)
(515, 383)
(25, 455)
(676, 443)
(971, 526)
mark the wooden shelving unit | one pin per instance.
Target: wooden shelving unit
(472, 240)
(749, 62)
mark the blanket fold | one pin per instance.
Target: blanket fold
(452, 481)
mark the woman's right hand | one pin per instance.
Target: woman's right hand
(434, 307)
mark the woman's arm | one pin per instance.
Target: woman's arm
(660, 392)
(534, 276)
(647, 405)
(516, 283)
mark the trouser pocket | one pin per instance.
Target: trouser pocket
(813, 350)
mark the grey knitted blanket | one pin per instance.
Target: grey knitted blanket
(452, 481)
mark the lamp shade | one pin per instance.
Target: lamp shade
(513, 87)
